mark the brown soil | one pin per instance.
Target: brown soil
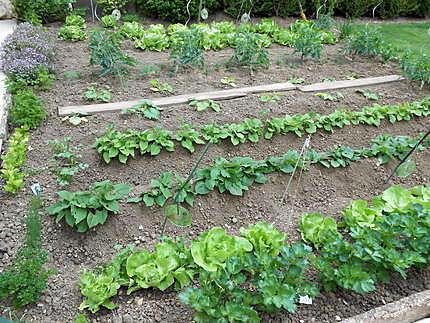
(321, 190)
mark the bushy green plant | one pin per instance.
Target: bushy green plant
(66, 160)
(43, 80)
(110, 5)
(249, 51)
(73, 29)
(154, 38)
(307, 40)
(203, 105)
(13, 160)
(369, 41)
(162, 87)
(109, 21)
(87, 209)
(25, 279)
(106, 53)
(145, 108)
(26, 110)
(37, 12)
(187, 51)
(416, 66)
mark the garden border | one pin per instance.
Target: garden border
(406, 310)
(6, 28)
(229, 94)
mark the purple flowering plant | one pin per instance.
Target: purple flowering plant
(26, 52)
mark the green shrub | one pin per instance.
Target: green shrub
(110, 5)
(307, 40)
(25, 279)
(43, 81)
(416, 66)
(106, 53)
(26, 110)
(174, 10)
(37, 12)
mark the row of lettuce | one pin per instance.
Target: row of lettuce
(240, 276)
(214, 36)
(84, 210)
(27, 57)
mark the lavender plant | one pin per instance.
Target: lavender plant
(26, 53)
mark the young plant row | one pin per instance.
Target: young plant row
(13, 160)
(220, 35)
(87, 209)
(120, 145)
(259, 271)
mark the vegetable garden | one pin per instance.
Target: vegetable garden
(279, 206)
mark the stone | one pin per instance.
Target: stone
(6, 9)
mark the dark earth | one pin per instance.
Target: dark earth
(320, 190)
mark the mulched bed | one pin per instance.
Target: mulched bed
(321, 190)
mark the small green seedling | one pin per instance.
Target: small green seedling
(92, 94)
(270, 97)
(228, 80)
(145, 108)
(297, 80)
(75, 119)
(205, 104)
(161, 87)
(72, 75)
(330, 97)
(369, 94)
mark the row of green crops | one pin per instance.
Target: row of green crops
(85, 210)
(258, 271)
(218, 35)
(119, 145)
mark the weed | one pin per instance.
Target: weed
(92, 94)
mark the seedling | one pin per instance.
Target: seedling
(297, 80)
(205, 104)
(92, 94)
(270, 97)
(75, 119)
(145, 108)
(229, 80)
(330, 97)
(162, 87)
(72, 75)
(369, 94)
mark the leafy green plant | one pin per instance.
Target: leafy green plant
(162, 87)
(270, 98)
(106, 53)
(249, 51)
(345, 29)
(86, 209)
(154, 38)
(369, 94)
(369, 41)
(73, 29)
(229, 80)
(65, 160)
(307, 40)
(146, 109)
(72, 75)
(297, 80)
(13, 160)
(330, 97)
(205, 104)
(37, 12)
(416, 66)
(75, 119)
(188, 137)
(26, 110)
(25, 279)
(187, 51)
(110, 5)
(92, 94)
(109, 21)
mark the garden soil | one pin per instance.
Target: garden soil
(320, 190)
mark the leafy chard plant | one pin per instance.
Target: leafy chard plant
(86, 209)
(330, 97)
(66, 160)
(145, 108)
(205, 104)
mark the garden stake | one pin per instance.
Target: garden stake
(407, 156)
(306, 162)
(189, 178)
(304, 148)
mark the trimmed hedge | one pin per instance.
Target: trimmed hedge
(175, 10)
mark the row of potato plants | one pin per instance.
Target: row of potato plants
(240, 276)
(122, 145)
(87, 209)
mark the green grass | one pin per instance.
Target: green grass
(407, 35)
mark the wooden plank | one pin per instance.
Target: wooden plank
(325, 86)
(178, 99)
